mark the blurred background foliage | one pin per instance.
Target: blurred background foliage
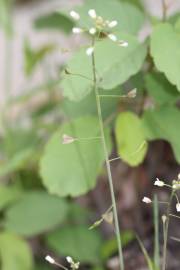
(49, 192)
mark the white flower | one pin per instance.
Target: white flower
(179, 176)
(112, 37)
(74, 15)
(92, 31)
(178, 207)
(90, 51)
(164, 218)
(132, 93)
(76, 30)
(69, 259)
(66, 139)
(123, 43)
(112, 24)
(74, 265)
(159, 183)
(146, 200)
(92, 13)
(49, 259)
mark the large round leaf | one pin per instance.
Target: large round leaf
(163, 123)
(160, 89)
(130, 19)
(36, 212)
(8, 194)
(130, 138)
(15, 253)
(114, 65)
(72, 169)
(165, 51)
(77, 241)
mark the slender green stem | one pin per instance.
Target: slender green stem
(87, 139)
(114, 96)
(156, 234)
(165, 231)
(98, 103)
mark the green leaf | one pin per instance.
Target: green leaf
(146, 255)
(35, 213)
(15, 254)
(8, 194)
(76, 241)
(87, 106)
(72, 169)
(114, 66)
(55, 21)
(163, 123)
(42, 266)
(177, 24)
(33, 57)
(160, 89)
(16, 162)
(130, 138)
(130, 19)
(110, 247)
(165, 52)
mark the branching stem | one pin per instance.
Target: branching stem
(99, 111)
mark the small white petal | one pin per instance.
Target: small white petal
(90, 51)
(158, 183)
(146, 200)
(112, 37)
(74, 15)
(66, 139)
(92, 13)
(49, 259)
(92, 31)
(178, 207)
(69, 259)
(112, 24)
(76, 30)
(123, 43)
(179, 176)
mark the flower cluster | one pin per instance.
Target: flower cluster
(98, 25)
(73, 265)
(175, 186)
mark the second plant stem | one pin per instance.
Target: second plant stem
(165, 231)
(99, 111)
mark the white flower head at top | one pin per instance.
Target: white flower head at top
(92, 13)
(178, 207)
(77, 30)
(74, 15)
(74, 265)
(159, 183)
(49, 259)
(90, 51)
(112, 24)
(112, 37)
(147, 200)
